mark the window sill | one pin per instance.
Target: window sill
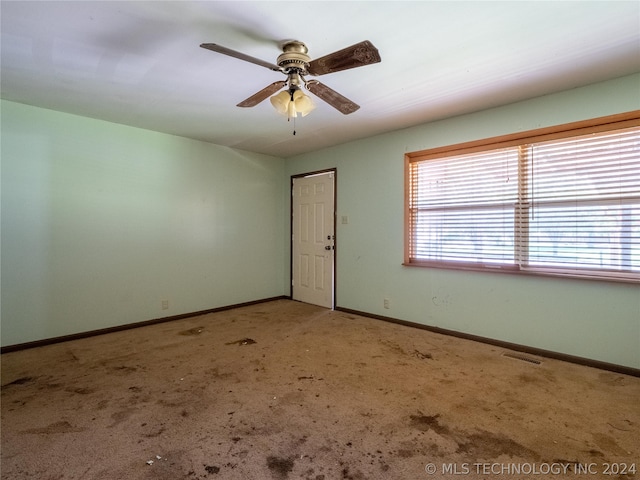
(529, 272)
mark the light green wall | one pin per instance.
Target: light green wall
(596, 320)
(102, 222)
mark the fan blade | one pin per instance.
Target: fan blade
(232, 53)
(358, 55)
(333, 98)
(256, 98)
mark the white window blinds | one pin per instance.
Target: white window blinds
(566, 206)
(585, 203)
(463, 208)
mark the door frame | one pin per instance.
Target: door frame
(335, 241)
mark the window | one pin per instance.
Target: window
(558, 201)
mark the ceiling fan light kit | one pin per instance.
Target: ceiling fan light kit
(292, 104)
(295, 63)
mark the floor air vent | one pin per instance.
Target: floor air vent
(524, 358)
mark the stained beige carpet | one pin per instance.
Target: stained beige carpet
(284, 390)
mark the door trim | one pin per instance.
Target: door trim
(335, 242)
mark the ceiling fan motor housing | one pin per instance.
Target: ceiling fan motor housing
(294, 57)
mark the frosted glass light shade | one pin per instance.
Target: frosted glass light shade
(280, 101)
(304, 104)
(301, 104)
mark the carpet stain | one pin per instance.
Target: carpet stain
(124, 369)
(608, 444)
(215, 373)
(155, 433)
(528, 378)
(422, 356)
(242, 341)
(487, 445)
(394, 347)
(613, 379)
(480, 445)
(594, 453)
(428, 422)
(192, 331)
(57, 427)
(20, 381)
(212, 469)
(279, 467)
(121, 416)
(347, 474)
(80, 391)
(405, 453)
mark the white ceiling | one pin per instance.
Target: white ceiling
(140, 64)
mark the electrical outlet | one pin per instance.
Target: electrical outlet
(345, 219)
(165, 304)
(387, 303)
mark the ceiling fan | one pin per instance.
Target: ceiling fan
(296, 64)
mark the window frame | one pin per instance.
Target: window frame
(558, 132)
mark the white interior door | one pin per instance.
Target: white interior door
(313, 239)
